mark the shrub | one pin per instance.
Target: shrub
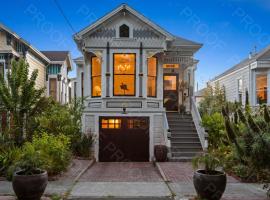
(54, 151)
(45, 152)
(214, 124)
(82, 146)
(63, 119)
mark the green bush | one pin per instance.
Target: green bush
(214, 124)
(82, 146)
(63, 119)
(54, 150)
(48, 152)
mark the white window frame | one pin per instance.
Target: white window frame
(238, 91)
(255, 86)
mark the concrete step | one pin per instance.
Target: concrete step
(185, 139)
(186, 154)
(182, 128)
(181, 124)
(185, 144)
(179, 118)
(186, 149)
(181, 132)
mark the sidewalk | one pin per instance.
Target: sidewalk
(170, 180)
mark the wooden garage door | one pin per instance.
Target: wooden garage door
(124, 139)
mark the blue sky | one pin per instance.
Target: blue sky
(229, 29)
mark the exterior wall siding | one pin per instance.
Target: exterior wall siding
(34, 63)
(230, 82)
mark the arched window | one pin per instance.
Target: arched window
(124, 31)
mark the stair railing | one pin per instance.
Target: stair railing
(197, 121)
(166, 132)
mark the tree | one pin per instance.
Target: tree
(20, 97)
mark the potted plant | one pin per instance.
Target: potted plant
(160, 152)
(209, 183)
(29, 181)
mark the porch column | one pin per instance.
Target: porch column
(141, 71)
(86, 76)
(108, 70)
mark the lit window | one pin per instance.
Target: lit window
(170, 83)
(152, 77)
(124, 31)
(137, 124)
(111, 123)
(240, 89)
(171, 66)
(96, 76)
(261, 88)
(124, 75)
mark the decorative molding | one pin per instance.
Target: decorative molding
(152, 104)
(104, 33)
(94, 104)
(145, 33)
(126, 104)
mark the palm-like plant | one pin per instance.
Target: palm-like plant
(20, 97)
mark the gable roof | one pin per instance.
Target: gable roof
(56, 55)
(114, 12)
(37, 52)
(59, 56)
(243, 63)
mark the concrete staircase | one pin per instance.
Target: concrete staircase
(185, 142)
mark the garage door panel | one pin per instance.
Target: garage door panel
(126, 141)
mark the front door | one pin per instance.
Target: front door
(123, 139)
(170, 92)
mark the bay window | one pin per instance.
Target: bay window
(152, 77)
(124, 80)
(261, 88)
(96, 76)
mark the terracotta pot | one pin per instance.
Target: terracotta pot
(160, 152)
(29, 187)
(209, 186)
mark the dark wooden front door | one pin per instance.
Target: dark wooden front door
(170, 92)
(124, 139)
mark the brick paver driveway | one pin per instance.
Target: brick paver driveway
(122, 172)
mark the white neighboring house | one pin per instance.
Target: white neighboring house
(57, 75)
(130, 74)
(252, 75)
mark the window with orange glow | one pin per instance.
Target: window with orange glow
(96, 76)
(152, 77)
(170, 83)
(261, 88)
(124, 75)
(111, 123)
(171, 66)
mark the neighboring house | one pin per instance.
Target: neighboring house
(49, 64)
(199, 96)
(252, 75)
(57, 75)
(129, 73)
(72, 88)
(13, 46)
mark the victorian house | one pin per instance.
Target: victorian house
(136, 77)
(52, 66)
(252, 75)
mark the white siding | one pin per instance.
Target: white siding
(231, 85)
(158, 129)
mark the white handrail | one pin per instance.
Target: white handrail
(166, 130)
(197, 121)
